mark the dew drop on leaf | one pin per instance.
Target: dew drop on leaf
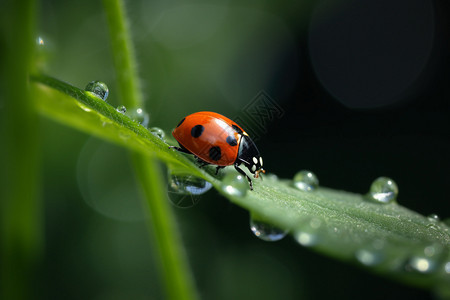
(306, 181)
(369, 257)
(306, 239)
(420, 264)
(235, 184)
(266, 232)
(139, 115)
(98, 89)
(122, 109)
(184, 191)
(383, 190)
(433, 218)
(158, 132)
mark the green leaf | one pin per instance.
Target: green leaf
(84, 111)
(386, 238)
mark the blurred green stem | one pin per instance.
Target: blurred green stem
(20, 212)
(178, 280)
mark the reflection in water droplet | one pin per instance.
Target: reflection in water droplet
(184, 190)
(235, 184)
(158, 132)
(98, 89)
(122, 109)
(139, 115)
(384, 190)
(306, 181)
(266, 232)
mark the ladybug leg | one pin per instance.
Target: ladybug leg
(201, 162)
(236, 166)
(179, 149)
(218, 168)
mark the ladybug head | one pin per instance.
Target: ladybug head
(249, 155)
(258, 167)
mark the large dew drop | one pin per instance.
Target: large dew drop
(158, 132)
(98, 89)
(306, 181)
(266, 232)
(139, 115)
(383, 190)
(235, 184)
(184, 190)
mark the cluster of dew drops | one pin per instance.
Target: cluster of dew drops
(184, 192)
(100, 90)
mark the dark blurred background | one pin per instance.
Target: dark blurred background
(364, 87)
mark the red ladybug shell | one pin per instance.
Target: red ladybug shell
(210, 136)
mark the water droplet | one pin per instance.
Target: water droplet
(383, 190)
(139, 115)
(433, 218)
(266, 232)
(433, 226)
(122, 109)
(98, 89)
(369, 257)
(184, 190)
(447, 267)
(235, 184)
(420, 264)
(306, 181)
(158, 132)
(306, 239)
(40, 41)
(44, 51)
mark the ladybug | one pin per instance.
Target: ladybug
(217, 140)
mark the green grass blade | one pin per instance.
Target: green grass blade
(20, 209)
(178, 280)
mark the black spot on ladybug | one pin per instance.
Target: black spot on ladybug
(181, 122)
(197, 131)
(237, 129)
(215, 153)
(231, 140)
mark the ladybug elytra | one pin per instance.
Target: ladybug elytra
(217, 140)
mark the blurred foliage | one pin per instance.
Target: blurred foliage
(244, 47)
